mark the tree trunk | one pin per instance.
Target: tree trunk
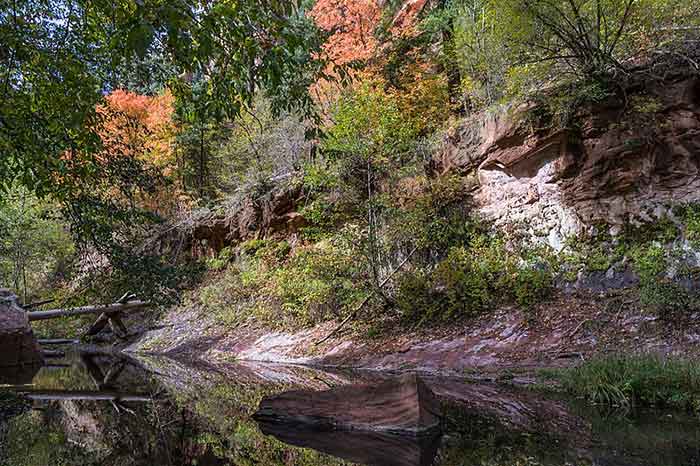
(133, 306)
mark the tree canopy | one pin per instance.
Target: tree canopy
(60, 57)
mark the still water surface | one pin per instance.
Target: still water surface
(94, 409)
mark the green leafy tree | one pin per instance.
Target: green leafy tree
(60, 56)
(369, 137)
(512, 47)
(594, 39)
(35, 246)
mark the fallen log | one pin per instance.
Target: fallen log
(132, 306)
(84, 395)
(58, 341)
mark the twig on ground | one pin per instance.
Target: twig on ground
(366, 300)
(578, 327)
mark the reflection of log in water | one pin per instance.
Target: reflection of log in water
(58, 342)
(371, 448)
(84, 395)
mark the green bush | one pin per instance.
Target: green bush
(471, 279)
(533, 284)
(316, 283)
(663, 230)
(320, 176)
(436, 218)
(416, 297)
(322, 217)
(657, 292)
(221, 260)
(465, 282)
(252, 246)
(274, 252)
(691, 219)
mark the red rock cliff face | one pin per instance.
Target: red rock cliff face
(17, 343)
(276, 213)
(629, 158)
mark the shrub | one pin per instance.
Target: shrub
(416, 298)
(663, 230)
(465, 283)
(691, 218)
(533, 283)
(658, 292)
(322, 217)
(274, 252)
(221, 260)
(434, 216)
(252, 246)
(471, 279)
(319, 176)
(316, 283)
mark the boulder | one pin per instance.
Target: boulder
(403, 406)
(18, 347)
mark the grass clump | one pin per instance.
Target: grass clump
(642, 380)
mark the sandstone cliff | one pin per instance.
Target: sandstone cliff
(629, 158)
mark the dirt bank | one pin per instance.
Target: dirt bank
(557, 333)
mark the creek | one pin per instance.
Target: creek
(94, 408)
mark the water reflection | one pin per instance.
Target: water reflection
(90, 366)
(97, 409)
(371, 448)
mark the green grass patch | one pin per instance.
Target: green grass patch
(628, 381)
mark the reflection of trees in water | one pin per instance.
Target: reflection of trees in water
(651, 439)
(82, 433)
(205, 422)
(205, 416)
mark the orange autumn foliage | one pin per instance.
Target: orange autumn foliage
(141, 127)
(406, 19)
(138, 126)
(352, 24)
